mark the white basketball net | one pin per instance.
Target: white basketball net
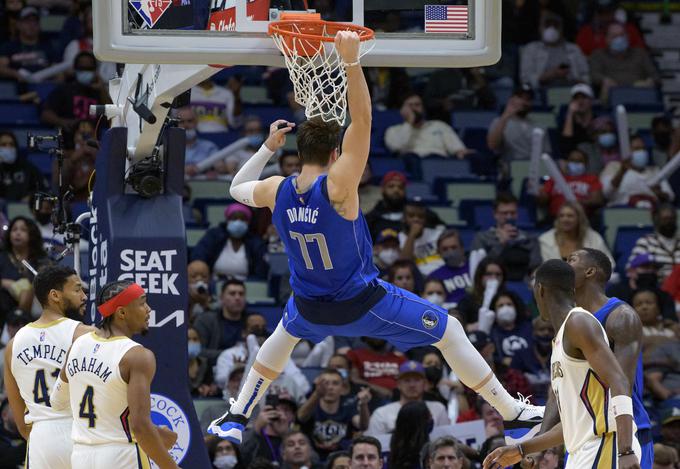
(319, 79)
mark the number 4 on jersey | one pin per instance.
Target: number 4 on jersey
(87, 407)
(41, 394)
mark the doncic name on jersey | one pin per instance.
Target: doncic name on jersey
(167, 413)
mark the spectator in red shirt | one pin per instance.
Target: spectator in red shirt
(376, 367)
(586, 187)
(672, 284)
(592, 36)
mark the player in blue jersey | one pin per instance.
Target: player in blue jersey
(624, 330)
(336, 290)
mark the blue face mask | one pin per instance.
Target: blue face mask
(194, 349)
(190, 134)
(85, 77)
(619, 44)
(575, 168)
(8, 155)
(343, 372)
(607, 140)
(639, 158)
(237, 228)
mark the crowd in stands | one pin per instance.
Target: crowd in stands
(448, 200)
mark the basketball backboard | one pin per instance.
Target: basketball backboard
(409, 33)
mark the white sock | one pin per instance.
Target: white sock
(472, 369)
(495, 394)
(254, 387)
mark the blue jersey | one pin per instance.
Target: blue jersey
(330, 258)
(639, 412)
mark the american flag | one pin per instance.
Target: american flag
(446, 18)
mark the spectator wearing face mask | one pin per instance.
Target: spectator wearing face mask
(586, 187)
(578, 119)
(593, 35)
(534, 361)
(663, 245)
(642, 273)
(224, 454)
(434, 291)
(19, 178)
(621, 65)
(196, 149)
(442, 384)
(69, 103)
(229, 250)
(552, 61)
(200, 372)
(603, 147)
(455, 273)
(625, 182)
(489, 271)
(386, 250)
(511, 332)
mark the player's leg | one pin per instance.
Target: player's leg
(423, 323)
(269, 363)
(50, 444)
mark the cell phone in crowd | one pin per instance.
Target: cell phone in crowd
(272, 400)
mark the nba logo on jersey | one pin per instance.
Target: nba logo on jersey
(150, 10)
(42, 336)
(96, 348)
(167, 413)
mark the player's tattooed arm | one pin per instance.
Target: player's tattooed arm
(624, 330)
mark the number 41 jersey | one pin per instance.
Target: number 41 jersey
(38, 353)
(330, 258)
(98, 392)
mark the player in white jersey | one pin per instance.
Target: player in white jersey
(592, 392)
(107, 380)
(33, 359)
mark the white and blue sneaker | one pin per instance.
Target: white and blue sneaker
(527, 423)
(229, 427)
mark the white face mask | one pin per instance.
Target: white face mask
(551, 35)
(190, 134)
(226, 461)
(388, 256)
(435, 298)
(506, 314)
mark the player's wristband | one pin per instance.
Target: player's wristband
(521, 450)
(622, 405)
(627, 452)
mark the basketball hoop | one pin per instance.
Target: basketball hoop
(316, 69)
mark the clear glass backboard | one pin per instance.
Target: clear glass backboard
(409, 33)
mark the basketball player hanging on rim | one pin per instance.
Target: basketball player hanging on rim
(106, 382)
(336, 290)
(590, 389)
(33, 358)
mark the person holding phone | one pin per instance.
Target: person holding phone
(552, 61)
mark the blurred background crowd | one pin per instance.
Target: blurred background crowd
(449, 202)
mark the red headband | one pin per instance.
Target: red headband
(123, 298)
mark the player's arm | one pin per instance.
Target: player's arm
(509, 455)
(624, 328)
(246, 186)
(60, 395)
(551, 416)
(141, 364)
(583, 332)
(16, 403)
(345, 174)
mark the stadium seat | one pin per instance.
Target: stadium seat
(475, 139)
(278, 263)
(633, 95)
(15, 209)
(545, 119)
(626, 237)
(419, 189)
(43, 89)
(460, 190)
(269, 114)
(519, 171)
(449, 215)
(615, 217)
(201, 405)
(209, 189)
(255, 95)
(380, 122)
(434, 167)
(291, 143)
(466, 235)
(13, 113)
(382, 166)
(257, 291)
(8, 90)
(640, 120)
(214, 213)
(42, 161)
(194, 235)
(271, 313)
(558, 96)
(472, 119)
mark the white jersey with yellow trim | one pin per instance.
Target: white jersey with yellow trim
(38, 353)
(582, 397)
(97, 391)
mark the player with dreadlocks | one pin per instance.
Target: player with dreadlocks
(107, 378)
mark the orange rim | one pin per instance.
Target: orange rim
(286, 27)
